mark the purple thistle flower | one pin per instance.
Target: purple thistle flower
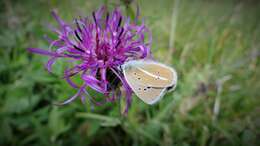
(99, 45)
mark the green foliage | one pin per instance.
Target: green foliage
(216, 54)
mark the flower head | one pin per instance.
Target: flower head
(98, 45)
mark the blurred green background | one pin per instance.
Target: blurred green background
(215, 47)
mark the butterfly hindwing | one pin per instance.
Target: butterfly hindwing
(149, 80)
(149, 95)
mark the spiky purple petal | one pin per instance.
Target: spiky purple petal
(100, 44)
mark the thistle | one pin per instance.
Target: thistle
(96, 47)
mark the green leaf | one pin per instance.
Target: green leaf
(105, 120)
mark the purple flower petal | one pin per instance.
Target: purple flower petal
(71, 98)
(42, 52)
(49, 64)
(95, 45)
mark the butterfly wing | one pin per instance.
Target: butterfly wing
(150, 73)
(149, 80)
(149, 95)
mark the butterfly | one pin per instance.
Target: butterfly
(149, 80)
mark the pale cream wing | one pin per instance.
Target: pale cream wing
(149, 95)
(151, 73)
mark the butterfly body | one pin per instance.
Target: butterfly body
(149, 80)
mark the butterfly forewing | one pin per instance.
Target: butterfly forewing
(150, 74)
(149, 80)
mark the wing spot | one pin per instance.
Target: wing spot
(139, 88)
(138, 78)
(144, 89)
